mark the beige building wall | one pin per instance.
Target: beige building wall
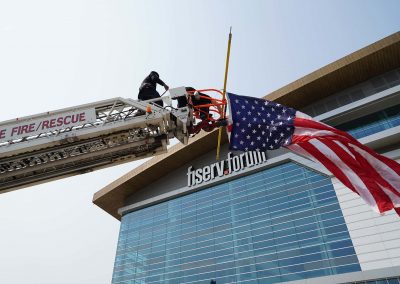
(376, 238)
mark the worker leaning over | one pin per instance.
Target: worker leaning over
(148, 88)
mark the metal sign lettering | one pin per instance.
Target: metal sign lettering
(225, 167)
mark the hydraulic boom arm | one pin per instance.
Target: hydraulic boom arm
(81, 139)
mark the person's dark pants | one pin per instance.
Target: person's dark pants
(148, 94)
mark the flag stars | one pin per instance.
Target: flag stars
(260, 124)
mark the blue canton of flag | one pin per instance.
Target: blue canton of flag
(258, 124)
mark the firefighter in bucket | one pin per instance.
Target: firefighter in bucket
(207, 111)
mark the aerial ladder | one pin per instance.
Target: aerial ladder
(76, 140)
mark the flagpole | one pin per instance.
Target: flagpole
(224, 91)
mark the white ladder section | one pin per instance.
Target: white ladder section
(71, 141)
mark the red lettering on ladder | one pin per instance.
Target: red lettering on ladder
(45, 124)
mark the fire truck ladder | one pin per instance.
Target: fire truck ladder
(120, 130)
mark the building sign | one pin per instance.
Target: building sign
(47, 124)
(226, 167)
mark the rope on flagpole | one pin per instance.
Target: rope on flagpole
(224, 91)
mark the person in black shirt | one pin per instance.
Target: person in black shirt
(148, 88)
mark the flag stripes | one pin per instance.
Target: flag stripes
(372, 176)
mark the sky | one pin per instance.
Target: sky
(57, 54)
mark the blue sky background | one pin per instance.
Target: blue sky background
(56, 54)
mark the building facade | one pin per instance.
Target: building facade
(274, 218)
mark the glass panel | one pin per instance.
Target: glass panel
(373, 123)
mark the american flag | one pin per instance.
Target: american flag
(260, 125)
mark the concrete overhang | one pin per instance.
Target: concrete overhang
(377, 58)
(112, 197)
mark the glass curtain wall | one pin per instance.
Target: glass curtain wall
(277, 225)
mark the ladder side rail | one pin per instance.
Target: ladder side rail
(58, 157)
(85, 133)
(39, 123)
(86, 147)
(45, 114)
(101, 160)
(101, 120)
